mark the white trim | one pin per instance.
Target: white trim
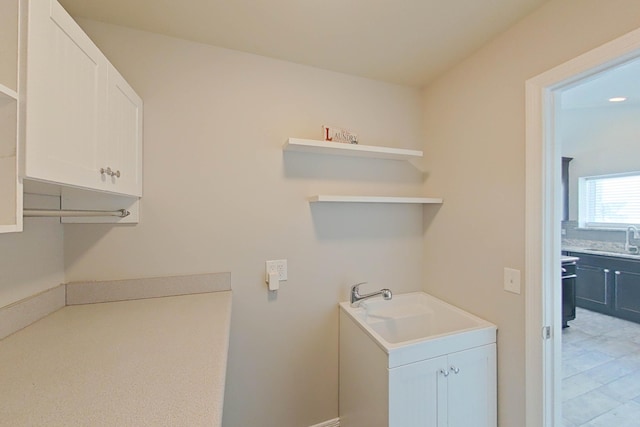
(542, 247)
(331, 423)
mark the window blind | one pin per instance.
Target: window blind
(610, 200)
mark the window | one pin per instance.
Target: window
(610, 201)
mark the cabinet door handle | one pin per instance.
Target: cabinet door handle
(618, 273)
(606, 270)
(455, 370)
(444, 372)
(109, 172)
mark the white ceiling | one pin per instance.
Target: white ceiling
(404, 41)
(594, 92)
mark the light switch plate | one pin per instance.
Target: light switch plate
(512, 280)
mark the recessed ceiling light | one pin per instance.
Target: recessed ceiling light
(618, 99)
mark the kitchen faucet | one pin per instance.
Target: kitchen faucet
(632, 233)
(356, 297)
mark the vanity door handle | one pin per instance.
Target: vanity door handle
(455, 370)
(444, 372)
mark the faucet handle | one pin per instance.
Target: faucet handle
(355, 287)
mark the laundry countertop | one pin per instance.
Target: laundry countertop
(156, 362)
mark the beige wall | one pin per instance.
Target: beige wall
(220, 195)
(474, 118)
(32, 261)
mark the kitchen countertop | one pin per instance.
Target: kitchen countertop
(158, 361)
(601, 252)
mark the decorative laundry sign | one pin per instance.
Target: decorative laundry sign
(335, 134)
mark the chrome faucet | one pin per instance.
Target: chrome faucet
(356, 297)
(632, 233)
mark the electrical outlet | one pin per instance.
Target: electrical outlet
(277, 266)
(512, 280)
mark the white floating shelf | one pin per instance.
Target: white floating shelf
(374, 199)
(5, 92)
(356, 150)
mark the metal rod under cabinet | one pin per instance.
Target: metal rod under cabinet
(121, 213)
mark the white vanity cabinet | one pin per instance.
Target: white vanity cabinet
(83, 122)
(416, 361)
(454, 390)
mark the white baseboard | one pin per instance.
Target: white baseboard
(331, 423)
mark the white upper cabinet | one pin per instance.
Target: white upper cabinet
(83, 121)
(65, 93)
(123, 148)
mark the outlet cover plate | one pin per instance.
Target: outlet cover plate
(279, 266)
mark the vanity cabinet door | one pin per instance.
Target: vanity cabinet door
(471, 393)
(418, 394)
(457, 390)
(65, 92)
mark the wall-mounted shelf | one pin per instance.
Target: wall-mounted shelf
(5, 93)
(10, 187)
(375, 199)
(355, 150)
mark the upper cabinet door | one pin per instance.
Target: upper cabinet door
(66, 88)
(123, 147)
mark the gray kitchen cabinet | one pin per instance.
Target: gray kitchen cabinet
(568, 292)
(609, 285)
(627, 292)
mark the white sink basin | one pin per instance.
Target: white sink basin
(417, 326)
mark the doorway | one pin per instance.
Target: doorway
(543, 215)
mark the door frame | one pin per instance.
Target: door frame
(542, 224)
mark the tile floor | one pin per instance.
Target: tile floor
(601, 372)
